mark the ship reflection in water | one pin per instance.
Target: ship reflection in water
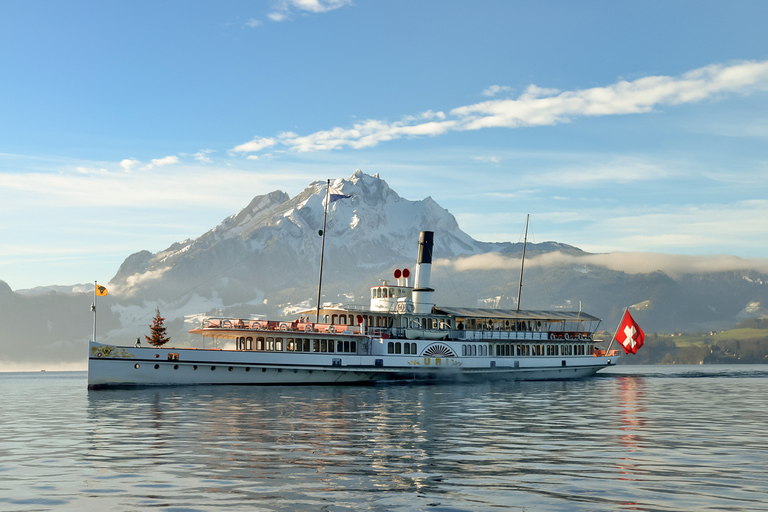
(607, 443)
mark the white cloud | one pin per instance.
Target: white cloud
(277, 16)
(168, 160)
(90, 171)
(496, 89)
(256, 145)
(161, 162)
(137, 279)
(536, 107)
(284, 8)
(128, 164)
(202, 156)
(620, 170)
(253, 23)
(490, 159)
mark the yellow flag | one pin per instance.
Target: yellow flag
(101, 291)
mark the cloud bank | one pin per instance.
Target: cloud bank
(674, 265)
(536, 106)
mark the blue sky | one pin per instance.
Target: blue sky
(619, 126)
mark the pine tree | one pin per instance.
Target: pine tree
(157, 329)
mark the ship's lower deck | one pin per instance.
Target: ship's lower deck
(110, 366)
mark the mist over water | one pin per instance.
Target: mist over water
(637, 438)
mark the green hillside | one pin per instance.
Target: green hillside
(745, 344)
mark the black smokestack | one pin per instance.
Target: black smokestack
(422, 293)
(425, 246)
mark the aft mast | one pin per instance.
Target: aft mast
(522, 263)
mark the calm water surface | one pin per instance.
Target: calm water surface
(638, 438)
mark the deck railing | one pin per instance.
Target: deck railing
(270, 325)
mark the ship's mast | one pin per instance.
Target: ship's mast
(522, 263)
(322, 250)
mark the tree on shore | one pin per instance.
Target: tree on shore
(157, 329)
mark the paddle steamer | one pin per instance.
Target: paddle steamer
(400, 335)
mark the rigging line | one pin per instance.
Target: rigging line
(459, 285)
(498, 256)
(545, 278)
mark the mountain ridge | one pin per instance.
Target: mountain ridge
(264, 261)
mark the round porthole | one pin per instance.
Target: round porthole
(279, 370)
(230, 368)
(213, 368)
(248, 369)
(175, 367)
(194, 367)
(157, 366)
(136, 366)
(263, 369)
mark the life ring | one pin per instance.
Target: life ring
(566, 336)
(283, 326)
(581, 336)
(331, 329)
(552, 336)
(226, 323)
(307, 328)
(255, 325)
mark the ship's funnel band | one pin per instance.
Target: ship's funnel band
(425, 247)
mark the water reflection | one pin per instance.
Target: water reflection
(605, 443)
(633, 409)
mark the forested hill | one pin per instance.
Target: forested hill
(747, 343)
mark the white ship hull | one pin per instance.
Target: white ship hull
(111, 366)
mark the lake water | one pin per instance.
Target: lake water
(638, 438)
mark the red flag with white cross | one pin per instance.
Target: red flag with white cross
(630, 335)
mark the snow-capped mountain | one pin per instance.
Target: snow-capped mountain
(273, 244)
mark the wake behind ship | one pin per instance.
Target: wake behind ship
(400, 335)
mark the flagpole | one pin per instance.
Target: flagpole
(322, 251)
(93, 308)
(617, 330)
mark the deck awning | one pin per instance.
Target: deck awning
(521, 315)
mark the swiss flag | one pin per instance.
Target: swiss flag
(630, 335)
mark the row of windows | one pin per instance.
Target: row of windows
(381, 292)
(477, 324)
(397, 347)
(429, 323)
(502, 349)
(296, 345)
(510, 349)
(474, 350)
